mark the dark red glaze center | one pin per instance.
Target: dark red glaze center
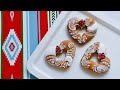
(101, 55)
(58, 50)
(82, 23)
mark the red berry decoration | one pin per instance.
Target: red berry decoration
(101, 55)
(82, 23)
(58, 50)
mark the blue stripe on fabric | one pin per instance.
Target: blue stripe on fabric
(33, 30)
(33, 33)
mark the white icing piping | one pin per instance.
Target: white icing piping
(92, 28)
(73, 22)
(69, 59)
(101, 49)
(102, 68)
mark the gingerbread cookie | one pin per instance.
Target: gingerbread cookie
(52, 53)
(104, 64)
(88, 24)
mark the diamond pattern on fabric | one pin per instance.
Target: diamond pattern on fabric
(12, 47)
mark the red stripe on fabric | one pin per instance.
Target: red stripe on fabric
(43, 23)
(8, 70)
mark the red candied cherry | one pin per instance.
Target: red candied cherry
(101, 55)
(82, 23)
(58, 50)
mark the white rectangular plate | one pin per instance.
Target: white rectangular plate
(108, 33)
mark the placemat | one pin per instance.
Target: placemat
(20, 33)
